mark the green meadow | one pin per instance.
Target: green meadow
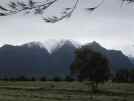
(64, 91)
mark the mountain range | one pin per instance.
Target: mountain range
(33, 59)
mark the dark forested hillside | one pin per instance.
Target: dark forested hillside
(23, 60)
(62, 57)
(117, 59)
(33, 59)
(131, 59)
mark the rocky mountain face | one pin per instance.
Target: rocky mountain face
(33, 59)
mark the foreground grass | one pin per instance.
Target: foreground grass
(64, 91)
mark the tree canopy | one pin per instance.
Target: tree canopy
(38, 7)
(90, 65)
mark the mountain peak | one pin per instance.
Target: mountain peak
(31, 59)
(96, 47)
(7, 46)
(68, 42)
(95, 44)
(34, 44)
(65, 43)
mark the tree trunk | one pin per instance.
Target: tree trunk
(94, 86)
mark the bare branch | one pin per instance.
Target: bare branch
(90, 9)
(2, 8)
(128, 1)
(39, 7)
(19, 6)
(66, 14)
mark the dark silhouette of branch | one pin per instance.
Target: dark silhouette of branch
(19, 6)
(90, 9)
(15, 7)
(2, 8)
(127, 1)
(65, 14)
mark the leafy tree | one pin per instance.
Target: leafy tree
(5, 79)
(124, 75)
(90, 65)
(121, 75)
(69, 78)
(33, 79)
(131, 75)
(56, 78)
(22, 78)
(43, 78)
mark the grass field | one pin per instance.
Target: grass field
(64, 91)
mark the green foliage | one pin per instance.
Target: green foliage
(124, 75)
(22, 78)
(33, 79)
(131, 75)
(56, 78)
(43, 78)
(121, 76)
(90, 65)
(68, 78)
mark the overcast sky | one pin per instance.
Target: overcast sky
(110, 25)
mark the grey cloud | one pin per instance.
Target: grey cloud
(110, 24)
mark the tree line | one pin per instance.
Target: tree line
(88, 65)
(43, 78)
(122, 75)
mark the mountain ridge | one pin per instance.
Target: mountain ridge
(33, 59)
(116, 57)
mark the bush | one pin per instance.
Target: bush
(68, 78)
(43, 78)
(57, 79)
